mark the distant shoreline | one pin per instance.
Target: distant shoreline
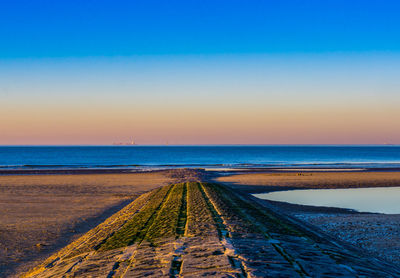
(216, 170)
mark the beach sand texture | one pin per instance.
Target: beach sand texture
(40, 213)
(264, 182)
(198, 229)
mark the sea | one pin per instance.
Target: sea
(209, 157)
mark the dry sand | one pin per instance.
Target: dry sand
(41, 213)
(378, 234)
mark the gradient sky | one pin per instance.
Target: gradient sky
(199, 72)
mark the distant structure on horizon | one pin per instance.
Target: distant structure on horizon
(131, 143)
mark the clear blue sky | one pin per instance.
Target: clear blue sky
(73, 28)
(199, 72)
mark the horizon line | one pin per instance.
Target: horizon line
(186, 145)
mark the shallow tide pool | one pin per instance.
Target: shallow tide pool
(376, 200)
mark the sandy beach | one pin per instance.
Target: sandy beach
(201, 229)
(45, 212)
(41, 213)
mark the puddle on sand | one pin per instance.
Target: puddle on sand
(376, 200)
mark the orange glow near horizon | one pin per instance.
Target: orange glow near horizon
(203, 125)
(195, 102)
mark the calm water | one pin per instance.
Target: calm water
(379, 200)
(197, 156)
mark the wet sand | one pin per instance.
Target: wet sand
(266, 182)
(41, 213)
(377, 234)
